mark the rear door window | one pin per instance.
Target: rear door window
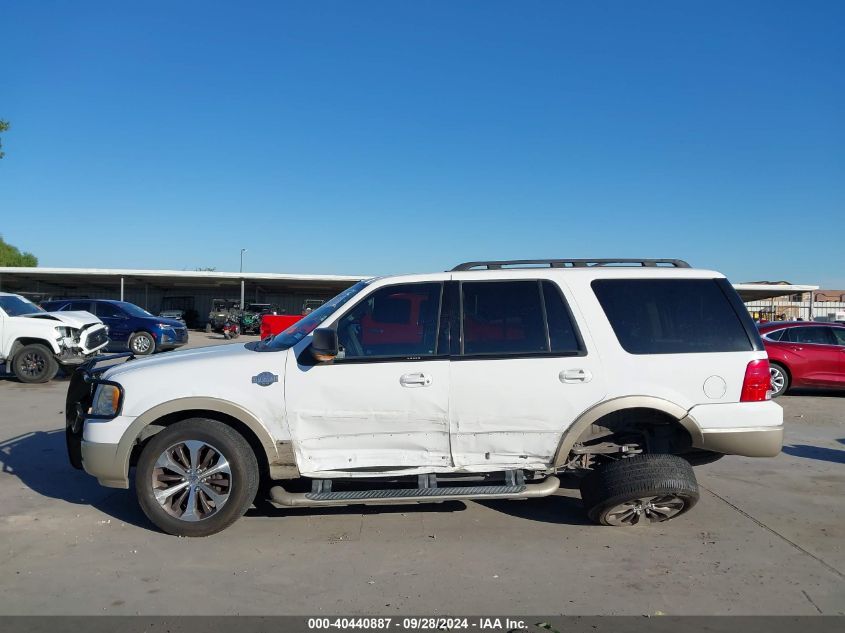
(503, 318)
(817, 335)
(515, 318)
(672, 316)
(839, 334)
(563, 336)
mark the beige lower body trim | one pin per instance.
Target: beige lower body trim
(750, 442)
(106, 463)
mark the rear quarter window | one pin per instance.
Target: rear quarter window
(673, 316)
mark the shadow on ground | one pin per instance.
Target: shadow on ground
(39, 460)
(816, 452)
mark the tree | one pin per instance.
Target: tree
(11, 256)
(4, 125)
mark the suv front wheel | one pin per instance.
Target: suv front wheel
(649, 488)
(196, 477)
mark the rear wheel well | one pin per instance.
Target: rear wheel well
(172, 418)
(628, 432)
(784, 366)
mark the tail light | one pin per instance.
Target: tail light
(757, 385)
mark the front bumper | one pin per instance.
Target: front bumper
(106, 463)
(168, 339)
(752, 429)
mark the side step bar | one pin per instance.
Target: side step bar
(282, 497)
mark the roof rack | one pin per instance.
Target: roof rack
(570, 263)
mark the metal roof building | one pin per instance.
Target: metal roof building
(155, 290)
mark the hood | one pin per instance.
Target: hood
(181, 361)
(77, 320)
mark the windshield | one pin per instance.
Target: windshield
(304, 327)
(16, 306)
(132, 309)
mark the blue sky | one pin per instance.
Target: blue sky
(383, 137)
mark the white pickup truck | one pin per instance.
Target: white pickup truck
(35, 343)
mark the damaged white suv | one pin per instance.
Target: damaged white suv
(35, 343)
(485, 382)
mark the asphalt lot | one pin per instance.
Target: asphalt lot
(767, 537)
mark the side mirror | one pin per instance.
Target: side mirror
(324, 344)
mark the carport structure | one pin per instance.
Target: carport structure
(151, 289)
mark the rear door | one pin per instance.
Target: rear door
(522, 371)
(815, 354)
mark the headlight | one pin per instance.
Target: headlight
(106, 401)
(164, 326)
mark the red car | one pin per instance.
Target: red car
(805, 354)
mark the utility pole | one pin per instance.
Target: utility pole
(243, 250)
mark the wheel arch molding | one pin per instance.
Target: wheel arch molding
(592, 415)
(272, 461)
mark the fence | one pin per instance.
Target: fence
(786, 310)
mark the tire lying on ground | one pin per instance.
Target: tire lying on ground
(196, 477)
(649, 488)
(35, 363)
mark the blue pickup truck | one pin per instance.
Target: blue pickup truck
(130, 327)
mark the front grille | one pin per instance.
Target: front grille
(96, 338)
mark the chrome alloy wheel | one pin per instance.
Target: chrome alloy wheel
(192, 480)
(647, 509)
(141, 344)
(778, 378)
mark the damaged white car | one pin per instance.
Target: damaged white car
(485, 382)
(35, 343)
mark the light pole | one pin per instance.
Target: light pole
(243, 250)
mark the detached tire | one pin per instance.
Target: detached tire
(142, 344)
(196, 477)
(35, 363)
(640, 489)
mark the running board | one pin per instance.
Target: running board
(282, 497)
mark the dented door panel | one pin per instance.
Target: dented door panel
(360, 416)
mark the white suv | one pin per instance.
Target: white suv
(484, 382)
(34, 344)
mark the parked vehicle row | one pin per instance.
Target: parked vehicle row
(130, 327)
(35, 343)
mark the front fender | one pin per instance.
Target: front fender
(280, 458)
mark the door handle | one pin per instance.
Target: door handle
(415, 380)
(571, 376)
(796, 348)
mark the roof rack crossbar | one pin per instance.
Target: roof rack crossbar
(569, 263)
